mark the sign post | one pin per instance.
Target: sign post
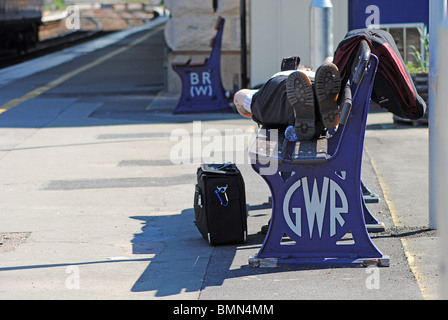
(437, 10)
(438, 136)
(321, 34)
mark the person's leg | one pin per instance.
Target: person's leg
(242, 101)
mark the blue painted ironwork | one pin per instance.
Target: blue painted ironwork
(369, 196)
(319, 206)
(202, 89)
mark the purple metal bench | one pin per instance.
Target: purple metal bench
(202, 89)
(318, 212)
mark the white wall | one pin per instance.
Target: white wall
(281, 28)
(190, 29)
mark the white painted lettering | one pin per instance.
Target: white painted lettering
(315, 204)
(297, 227)
(206, 78)
(315, 207)
(335, 212)
(194, 78)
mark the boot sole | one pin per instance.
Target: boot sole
(300, 94)
(328, 85)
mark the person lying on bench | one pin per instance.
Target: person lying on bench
(300, 97)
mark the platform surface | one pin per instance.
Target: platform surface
(93, 206)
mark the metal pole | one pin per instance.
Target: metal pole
(439, 138)
(321, 27)
(244, 81)
(437, 11)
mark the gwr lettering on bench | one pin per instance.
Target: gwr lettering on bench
(315, 203)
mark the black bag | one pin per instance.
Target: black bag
(220, 204)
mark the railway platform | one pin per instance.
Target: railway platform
(97, 181)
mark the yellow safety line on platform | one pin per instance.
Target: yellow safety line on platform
(404, 243)
(38, 91)
(384, 188)
(415, 270)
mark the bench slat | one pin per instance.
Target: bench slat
(198, 60)
(181, 60)
(312, 151)
(264, 149)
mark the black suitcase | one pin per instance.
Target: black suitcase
(220, 204)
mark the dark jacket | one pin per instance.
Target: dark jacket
(393, 88)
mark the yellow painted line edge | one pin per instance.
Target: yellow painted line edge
(409, 256)
(38, 91)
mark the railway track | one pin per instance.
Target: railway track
(93, 27)
(52, 44)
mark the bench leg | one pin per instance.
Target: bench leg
(372, 224)
(368, 196)
(202, 91)
(316, 220)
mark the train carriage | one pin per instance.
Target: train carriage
(19, 23)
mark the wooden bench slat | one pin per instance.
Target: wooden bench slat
(198, 60)
(312, 151)
(265, 149)
(181, 60)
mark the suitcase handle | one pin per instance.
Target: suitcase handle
(222, 190)
(228, 166)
